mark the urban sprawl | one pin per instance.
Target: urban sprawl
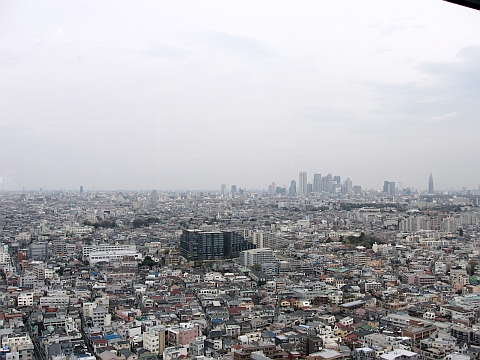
(321, 270)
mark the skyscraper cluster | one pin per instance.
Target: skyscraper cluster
(389, 187)
(234, 191)
(329, 184)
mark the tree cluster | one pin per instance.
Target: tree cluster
(141, 222)
(148, 261)
(102, 223)
(362, 240)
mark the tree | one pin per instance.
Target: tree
(471, 267)
(137, 222)
(106, 223)
(148, 261)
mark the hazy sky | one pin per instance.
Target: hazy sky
(193, 94)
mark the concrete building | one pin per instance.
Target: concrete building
(87, 249)
(5, 260)
(399, 354)
(182, 334)
(302, 183)
(154, 340)
(55, 301)
(257, 257)
(20, 346)
(202, 245)
(111, 256)
(38, 251)
(25, 298)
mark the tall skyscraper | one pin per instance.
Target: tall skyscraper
(154, 197)
(272, 188)
(317, 183)
(293, 188)
(389, 187)
(233, 189)
(302, 182)
(309, 188)
(327, 183)
(385, 186)
(431, 189)
(81, 189)
(348, 186)
(223, 190)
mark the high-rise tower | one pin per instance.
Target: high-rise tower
(317, 183)
(327, 183)
(154, 197)
(292, 191)
(302, 182)
(431, 189)
(389, 187)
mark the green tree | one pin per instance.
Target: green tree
(148, 261)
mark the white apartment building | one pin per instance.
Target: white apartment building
(42, 272)
(39, 271)
(79, 230)
(151, 341)
(381, 341)
(87, 249)
(372, 285)
(257, 257)
(25, 299)
(154, 340)
(49, 273)
(23, 237)
(459, 276)
(197, 347)
(109, 256)
(400, 354)
(258, 239)
(5, 260)
(20, 346)
(449, 224)
(88, 309)
(14, 340)
(358, 258)
(98, 314)
(54, 301)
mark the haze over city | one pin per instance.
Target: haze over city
(191, 95)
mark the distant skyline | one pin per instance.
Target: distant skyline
(193, 94)
(399, 185)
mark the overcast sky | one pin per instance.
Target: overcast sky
(192, 94)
